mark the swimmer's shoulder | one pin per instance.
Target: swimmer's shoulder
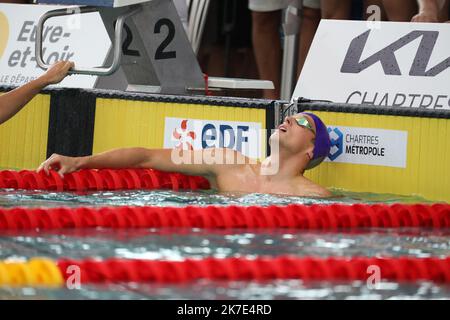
(312, 189)
(322, 192)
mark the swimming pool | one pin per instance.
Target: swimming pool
(176, 244)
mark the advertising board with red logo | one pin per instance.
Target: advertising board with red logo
(196, 134)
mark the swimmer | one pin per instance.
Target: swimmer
(14, 100)
(301, 142)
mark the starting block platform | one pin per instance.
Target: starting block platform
(150, 49)
(96, 3)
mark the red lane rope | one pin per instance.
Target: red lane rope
(104, 179)
(328, 217)
(403, 269)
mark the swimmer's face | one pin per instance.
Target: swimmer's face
(296, 134)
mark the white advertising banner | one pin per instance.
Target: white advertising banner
(368, 146)
(391, 64)
(196, 134)
(81, 38)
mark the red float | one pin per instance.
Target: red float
(403, 269)
(324, 217)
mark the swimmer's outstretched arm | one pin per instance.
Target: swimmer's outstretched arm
(208, 162)
(13, 101)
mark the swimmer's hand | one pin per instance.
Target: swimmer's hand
(57, 72)
(61, 164)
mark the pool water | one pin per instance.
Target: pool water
(11, 198)
(178, 244)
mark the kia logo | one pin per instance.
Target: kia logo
(353, 64)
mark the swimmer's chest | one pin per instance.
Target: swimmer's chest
(248, 182)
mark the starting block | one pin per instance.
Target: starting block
(150, 49)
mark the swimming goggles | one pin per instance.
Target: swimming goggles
(303, 122)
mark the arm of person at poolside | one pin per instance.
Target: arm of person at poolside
(429, 10)
(207, 162)
(13, 101)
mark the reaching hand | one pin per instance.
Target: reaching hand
(57, 72)
(60, 163)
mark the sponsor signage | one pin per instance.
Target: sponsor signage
(395, 64)
(81, 38)
(195, 134)
(369, 146)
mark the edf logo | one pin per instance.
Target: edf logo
(337, 143)
(197, 134)
(225, 135)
